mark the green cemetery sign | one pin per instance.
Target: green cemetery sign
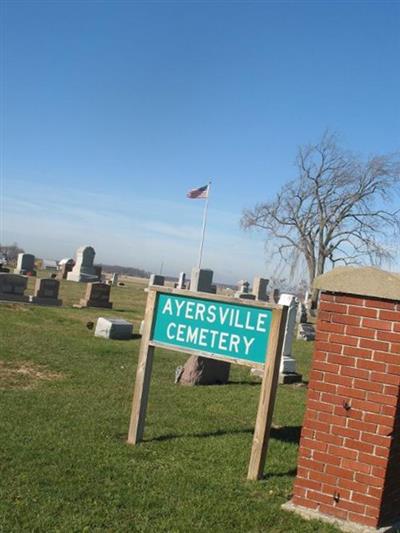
(229, 330)
(218, 327)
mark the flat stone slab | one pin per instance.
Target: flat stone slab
(344, 525)
(14, 297)
(113, 328)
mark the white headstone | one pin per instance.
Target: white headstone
(84, 269)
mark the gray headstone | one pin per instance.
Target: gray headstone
(113, 328)
(201, 280)
(25, 263)
(97, 295)
(156, 279)
(260, 289)
(84, 270)
(46, 292)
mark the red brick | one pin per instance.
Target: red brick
(337, 379)
(357, 352)
(308, 484)
(376, 324)
(394, 369)
(363, 311)
(395, 348)
(354, 372)
(330, 439)
(350, 300)
(316, 376)
(318, 406)
(362, 426)
(351, 506)
(351, 393)
(363, 405)
(326, 458)
(328, 347)
(372, 460)
(379, 304)
(386, 378)
(396, 327)
(346, 319)
(389, 315)
(318, 497)
(366, 364)
(343, 452)
(391, 390)
(374, 345)
(376, 440)
(318, 426)
(356, 466)
(331, 398)
(368, 385)
(310, 464)
(384, 399)
(368, 480)
(327, 297)
(304, 502)
(388, 336)
(378, 419)
(357, 444)
(321, 336)
(346, 432)
(324, 316)
(323, 477)
(333, 307)
(366, 500)
(340, 472)
(329, 510)
(360, 332)
(330, 327)
(352, 413)
(343, 339)
(386, 358)
(310, 444)
(379, 472)
(339, 359)
(330, 489)
(325, 367)
(322, 387)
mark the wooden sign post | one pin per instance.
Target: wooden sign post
(238, 331)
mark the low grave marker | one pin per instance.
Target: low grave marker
(12, 287)
(219, 328)
(97, 295)
(46, 292)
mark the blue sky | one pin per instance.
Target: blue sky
(112, 111)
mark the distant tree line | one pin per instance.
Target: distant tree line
(127, 271)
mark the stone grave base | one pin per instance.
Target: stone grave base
(14, 297)
(290, 377)
(344, 525)
(44, 301)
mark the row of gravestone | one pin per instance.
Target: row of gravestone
(13, 286)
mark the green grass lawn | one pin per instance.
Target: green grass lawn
(64, 461)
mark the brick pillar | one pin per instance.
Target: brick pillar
(349, 457)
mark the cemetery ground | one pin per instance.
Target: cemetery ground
(65, 400)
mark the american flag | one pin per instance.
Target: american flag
(201, 192)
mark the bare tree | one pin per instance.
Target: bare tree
(336, 211)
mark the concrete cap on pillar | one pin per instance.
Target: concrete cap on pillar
(363, 281)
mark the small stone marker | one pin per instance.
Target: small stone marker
(84, 270)
(97, 295)
(12, 287)
(156, 279)
(114, 279)
(287, 371)
(46, 292)
(181, 281)
(113, 328)
(25, 264)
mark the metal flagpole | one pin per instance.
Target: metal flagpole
(203, 230)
